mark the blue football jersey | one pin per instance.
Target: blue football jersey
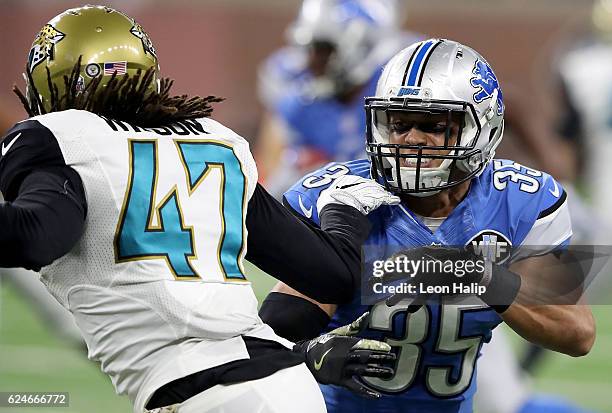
(283, 72)
(508, 205)
(334, 128)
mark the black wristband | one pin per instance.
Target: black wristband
(503, 289)
(346, 219)
(293, 318)
(301, 347)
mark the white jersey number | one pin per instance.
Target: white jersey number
(333, 172)
(517, 173)
(409, 351)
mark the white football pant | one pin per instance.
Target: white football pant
(289, 390)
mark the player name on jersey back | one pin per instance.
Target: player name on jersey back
(181, 127)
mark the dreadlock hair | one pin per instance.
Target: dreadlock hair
(126, 98)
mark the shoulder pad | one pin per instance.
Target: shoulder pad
(303, 195)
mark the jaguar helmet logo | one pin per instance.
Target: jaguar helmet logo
(147, 44)
(44, 46)
(486, 83)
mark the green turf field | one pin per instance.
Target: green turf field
(32, 359)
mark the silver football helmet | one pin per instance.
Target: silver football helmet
(435, 77)
(363, 35)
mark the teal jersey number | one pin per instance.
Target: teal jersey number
(199, 158)
(172, 239)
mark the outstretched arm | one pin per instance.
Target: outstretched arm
(322, 263)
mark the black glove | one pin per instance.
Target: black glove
(340, 359)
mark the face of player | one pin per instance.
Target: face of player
(423, 129)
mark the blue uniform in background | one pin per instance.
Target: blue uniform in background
(325, 124)
(437, 346)
(335, 129)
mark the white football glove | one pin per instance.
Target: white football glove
(363, 194)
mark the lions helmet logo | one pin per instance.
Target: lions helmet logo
(44, 45)
(147, 44)
(486, 83)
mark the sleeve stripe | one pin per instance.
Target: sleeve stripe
(550, 230)
(550, 210)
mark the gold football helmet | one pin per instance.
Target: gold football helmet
(107, 42)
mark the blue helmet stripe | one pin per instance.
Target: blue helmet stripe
(418, 62)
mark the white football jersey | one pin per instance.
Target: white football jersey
(156, 282)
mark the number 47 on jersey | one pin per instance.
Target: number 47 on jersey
(173, 239)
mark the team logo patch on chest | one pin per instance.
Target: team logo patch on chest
(44, 45)
(490, 244)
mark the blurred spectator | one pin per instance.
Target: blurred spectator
(313, 89)
(584, 75)
(585, 80)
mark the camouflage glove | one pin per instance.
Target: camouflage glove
(340, 359)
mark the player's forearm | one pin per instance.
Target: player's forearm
(545, 309)
(324, 264)
(568, 329)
